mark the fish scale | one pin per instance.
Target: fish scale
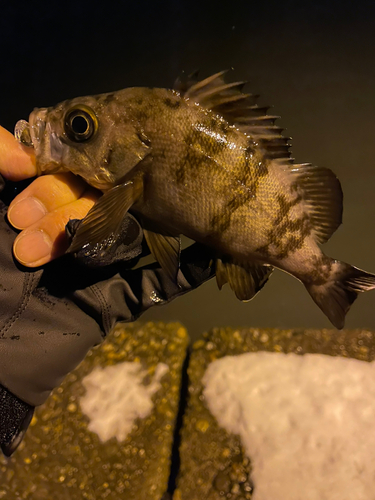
(203, 160)
(225, 178)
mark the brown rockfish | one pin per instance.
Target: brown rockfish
(203, 160)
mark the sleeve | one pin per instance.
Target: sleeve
(51, 317)
(42, 337)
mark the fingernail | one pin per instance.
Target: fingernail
(25, 212)
(31, 248)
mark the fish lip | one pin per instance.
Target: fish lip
(37, 122)
(22, 133)
(44, 138)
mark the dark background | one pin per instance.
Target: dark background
(313, 60)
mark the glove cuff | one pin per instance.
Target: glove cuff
(15, 417)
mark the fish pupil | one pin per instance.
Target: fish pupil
(80, 124)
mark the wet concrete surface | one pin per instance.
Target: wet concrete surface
(177, 450)
(61, 458)
(213, 462)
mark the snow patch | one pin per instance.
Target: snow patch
(306, 422)
(117, 395)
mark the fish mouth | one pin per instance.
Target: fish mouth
(30, 133)
(38, 134)
(22, 133)
(37, 124)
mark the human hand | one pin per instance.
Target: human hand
(43, 209)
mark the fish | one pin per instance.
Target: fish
(202, 159)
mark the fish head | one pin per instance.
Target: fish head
(87, 136)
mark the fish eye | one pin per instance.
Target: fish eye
(80, 123)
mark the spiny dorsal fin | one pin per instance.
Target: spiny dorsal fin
(184, 82)
(319, 188)
(238, 109)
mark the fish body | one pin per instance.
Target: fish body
(204, 161)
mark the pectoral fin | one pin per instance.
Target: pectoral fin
(246, 282)
(166, 250)
(104, 219)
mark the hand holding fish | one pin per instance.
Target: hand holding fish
(38, 308)
(43, 209)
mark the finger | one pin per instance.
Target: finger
(44, 195)
(16, 161)
(46, 240)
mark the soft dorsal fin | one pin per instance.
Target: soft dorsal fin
(322, 195)
(239, 109)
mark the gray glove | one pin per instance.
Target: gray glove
(51, 317)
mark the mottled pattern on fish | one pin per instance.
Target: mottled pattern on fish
(204, 161)
(217, 187)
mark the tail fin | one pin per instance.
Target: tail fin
(337, 294)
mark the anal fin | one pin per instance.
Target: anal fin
(246, 282)
(166, 250)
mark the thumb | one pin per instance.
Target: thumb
(16, 161)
